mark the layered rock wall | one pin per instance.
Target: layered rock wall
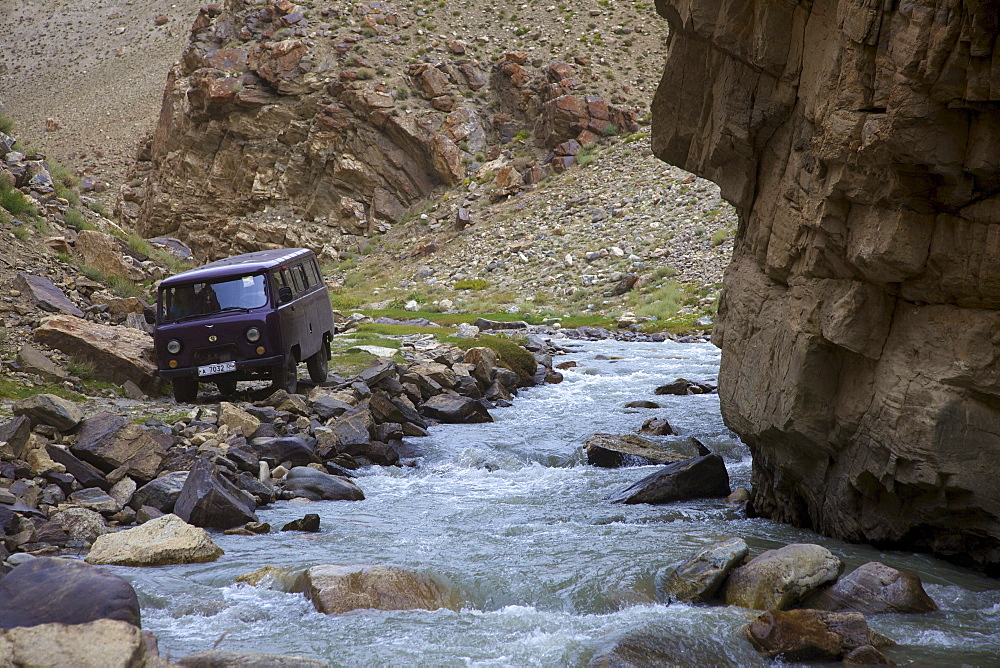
(860, 322)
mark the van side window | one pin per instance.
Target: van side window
(312, 271)
(298, 278)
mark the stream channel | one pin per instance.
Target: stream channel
(510, 515)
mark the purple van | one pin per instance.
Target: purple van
(249, 316)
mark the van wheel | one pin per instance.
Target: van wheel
(319, 364)
(286, 377)
(185, 390)
(227, 387)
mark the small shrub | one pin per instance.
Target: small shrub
(124, 287)
(83, 370)
(93, 274)
(98, 208)
(22, 233)
(13, 200)
(611, 130)
(472, 284)
(522, 135)
(6, 124)
(139, 245)
(365, 73)
(585, 156)
(720, 236)
(76, 220)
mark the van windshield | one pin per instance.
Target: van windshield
(197, 299)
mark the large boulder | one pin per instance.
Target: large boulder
(210, 500)
(871, 589)
(277, 450)
(615, 450)
(318, 486)
(48, 409)
(15, 433)
(697, 478)
(779, 579)
(50, 590)
(104, 643)
(335, 589)
(117, 353)
(701, 576)
(165, 540)
(226, 659)
(46, 295)
(454, 409)
(160, 493)
(110, 441)
(859, 312)
(810, 635)
(105, 253)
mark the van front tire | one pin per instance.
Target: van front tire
(185, 390)
(286, 377)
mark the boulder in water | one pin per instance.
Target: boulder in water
(656, 427)
(810, 635)
(640, 403)
(50, 590)
(309, 523)
(701, 576)
(165, 540)
(335, 589)
(700, 477)
(276, 451)
(615, 450)
(779, 579)
(872, 589)
(318, 486)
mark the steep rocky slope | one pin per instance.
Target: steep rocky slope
(859, 143)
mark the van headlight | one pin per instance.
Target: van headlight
(253, 335)
(174, 346)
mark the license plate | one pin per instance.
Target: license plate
(212, 369)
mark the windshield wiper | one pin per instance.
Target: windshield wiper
(233, 308)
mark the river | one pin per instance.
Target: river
(510, 516)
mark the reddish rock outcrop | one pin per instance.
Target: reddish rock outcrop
(859, 143)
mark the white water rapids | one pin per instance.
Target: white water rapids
(510, 516)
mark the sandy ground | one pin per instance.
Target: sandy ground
(97, 67)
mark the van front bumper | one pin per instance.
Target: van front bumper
(243, 368)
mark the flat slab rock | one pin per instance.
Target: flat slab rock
(616, 450)
(701, 576)
(103, 642)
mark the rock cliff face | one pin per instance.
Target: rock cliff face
(860, 143)
(270, 109)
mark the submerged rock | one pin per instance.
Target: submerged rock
(701, 576)
(165, 540)
(335, 589)
(226, 659)
(615, 450)
(697, 478)
(779, 579)
(50, 590)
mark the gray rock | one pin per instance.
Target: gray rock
(318, 486)
(160, 493)
(701, 576)
(51, 590)
(48, 409)
(165, 540)
(93, 498)
(455, 409)
(32, 360)
(283, 449)
(779, 579)
(111, 441)
(700, 477)
(46, 295)
(15, 433)
(209, 500)
(81, 524)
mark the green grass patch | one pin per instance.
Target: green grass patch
(76, 220)
(13, 200)
(93, 273)
(403, 330)
(11, 389)
(661, 303)
(472, 284)
(347, 364)
(7, 124)
(22, 233)
(721, 235)
(512, 356)
(139, 245)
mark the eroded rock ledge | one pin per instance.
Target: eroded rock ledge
(859, 141)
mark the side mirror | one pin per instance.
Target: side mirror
(149, 315)
(284, 294)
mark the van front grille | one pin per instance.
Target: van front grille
(216, 354)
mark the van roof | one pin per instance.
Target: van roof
(238, 265)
